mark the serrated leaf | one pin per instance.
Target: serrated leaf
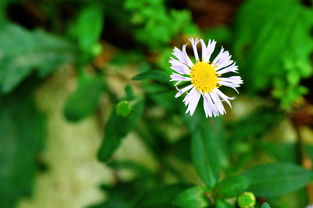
(232, 186)
(277, 179)
(192, 198)
(22, 135)
(116, 129)
(84, 100)
(23, 51)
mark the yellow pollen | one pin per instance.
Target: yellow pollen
(204, 77)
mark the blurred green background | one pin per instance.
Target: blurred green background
(88, 118)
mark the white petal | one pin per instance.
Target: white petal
(178, 77)
(179, 55)
(188, 97)
(224, 97)
(181, 69)
(211, 105)
(206, 107)
(227, 84)
(223, 59)
(179, 66)
(207, 50)
(236, 80)
(203, 49)
(188, 61)
(192, 105)
(182, 91)
(231, 68)
(194, 43)
(217, 102)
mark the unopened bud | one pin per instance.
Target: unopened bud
(246, 200)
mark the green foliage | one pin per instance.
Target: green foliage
(157, 25)
(22, 129)
(85, 99)
(24, 51)
(192, 198)
(117, 128)
(206, 151)
(159, 197)
(232, 186)
(87, 28)
(119, 195)
(273, 48)
(277, 179)
(222, 204)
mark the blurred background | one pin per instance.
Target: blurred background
(88, 118)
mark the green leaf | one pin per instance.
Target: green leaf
(282, 151)
(152, 74)
(84, 100)
(88, 27)
(118, 195)
(202, 158)
(265, 205)
(116, 129)
(232, 186)
(156, 25)
(140, 169)
(22, 129)
(277, 179)
(206, 148)
(159, 196)
(222, 204)
(164, 99)
(192, 198)
(24, 51)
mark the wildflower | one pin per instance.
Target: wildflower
(204, 77)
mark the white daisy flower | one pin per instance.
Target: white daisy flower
(204, 77)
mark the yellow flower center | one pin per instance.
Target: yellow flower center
(204, 77)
